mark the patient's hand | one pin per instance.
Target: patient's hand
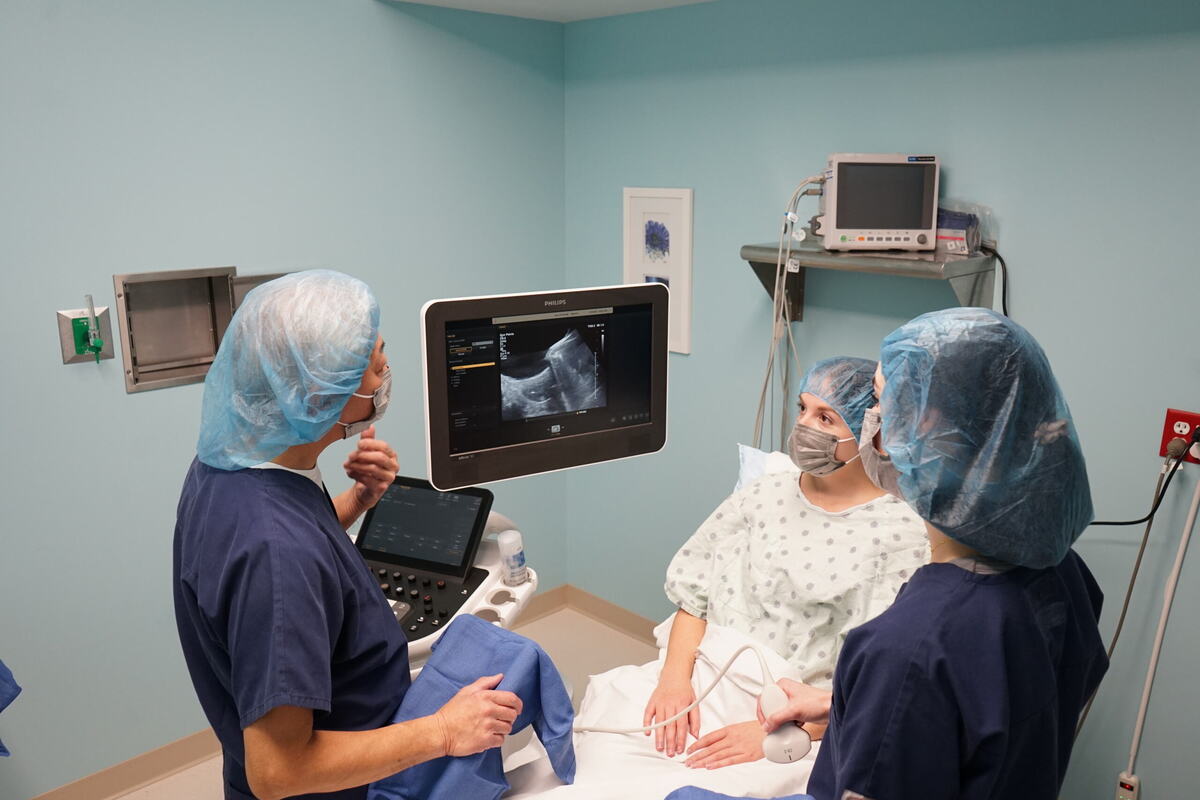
(734, 744)
(669, 698)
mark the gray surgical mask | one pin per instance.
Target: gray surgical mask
(813, 450)
(381, 397)
(879, 467)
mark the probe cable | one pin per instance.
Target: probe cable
(767, 681)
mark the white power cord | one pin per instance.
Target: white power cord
(1168, 598)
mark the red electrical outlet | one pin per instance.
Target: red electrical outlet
(1180, 425)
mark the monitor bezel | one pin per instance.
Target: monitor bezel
(447, 471)
(420, 564)
(833, 230)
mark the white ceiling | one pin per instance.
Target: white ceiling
(559, 10)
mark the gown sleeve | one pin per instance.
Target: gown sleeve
(690, 573)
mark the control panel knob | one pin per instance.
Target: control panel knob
(412, 578)
(442, 612)
(396, 576)
(413, 593)
(428, 599)
(922, 239)
(385, 587)
(425, 581)
(383, 573)
(441, 584)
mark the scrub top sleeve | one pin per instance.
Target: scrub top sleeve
(690, 573)
(895, 727)
(284, 614)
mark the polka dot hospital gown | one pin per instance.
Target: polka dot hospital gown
(795, 577)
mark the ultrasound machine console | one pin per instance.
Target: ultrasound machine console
(427, 550)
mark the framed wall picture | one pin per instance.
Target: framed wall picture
(658, 249)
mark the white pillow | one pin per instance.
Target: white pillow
(754, 463)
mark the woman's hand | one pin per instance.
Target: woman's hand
(805, 704)
(670, 697)
(372, 466)
(733, 744)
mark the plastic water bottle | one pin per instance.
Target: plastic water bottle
(512, 558)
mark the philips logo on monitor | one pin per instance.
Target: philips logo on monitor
(562, 301)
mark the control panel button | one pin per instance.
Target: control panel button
(412, 628)
(435, 622)
(922, 239)
(420, 619)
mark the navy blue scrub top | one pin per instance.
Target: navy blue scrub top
(275, 607)
(968, 687)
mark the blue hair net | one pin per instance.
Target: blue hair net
(293, 354)
(846, 384)
(978, 429)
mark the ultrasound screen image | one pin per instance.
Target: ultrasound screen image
(566, 377)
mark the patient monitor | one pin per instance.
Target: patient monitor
(522, 384)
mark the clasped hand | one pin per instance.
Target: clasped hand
(373, 467)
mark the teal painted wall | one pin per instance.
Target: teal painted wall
(275, 135)
(377, 139)
(1076, 122)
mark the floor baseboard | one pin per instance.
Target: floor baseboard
(160, 763)
(141, 770)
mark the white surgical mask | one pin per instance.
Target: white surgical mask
(813, 450)
(878, 466)
(380, 397)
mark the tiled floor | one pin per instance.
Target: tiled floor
(579, 645)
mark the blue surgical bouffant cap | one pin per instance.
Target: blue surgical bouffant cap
(293, 354)
(978, 429)
(846, 384)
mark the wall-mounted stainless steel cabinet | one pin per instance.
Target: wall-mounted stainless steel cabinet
(244, 283)
(171, 324)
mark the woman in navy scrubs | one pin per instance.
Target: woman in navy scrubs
(295, 655)
(970, 684)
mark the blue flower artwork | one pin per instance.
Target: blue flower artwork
(658, 240)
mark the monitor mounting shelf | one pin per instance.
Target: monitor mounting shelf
(971, 277)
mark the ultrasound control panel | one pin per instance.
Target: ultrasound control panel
(420, 545)
(424, 601)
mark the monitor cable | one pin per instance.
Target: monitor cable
(780, 313)
(994, 253)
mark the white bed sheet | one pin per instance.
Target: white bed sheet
(628, 766)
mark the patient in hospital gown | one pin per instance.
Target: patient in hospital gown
(792, 561)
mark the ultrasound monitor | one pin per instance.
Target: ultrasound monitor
(529, 383)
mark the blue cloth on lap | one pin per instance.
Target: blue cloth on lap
(696, 793)
(469, 649)
(8, 692)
